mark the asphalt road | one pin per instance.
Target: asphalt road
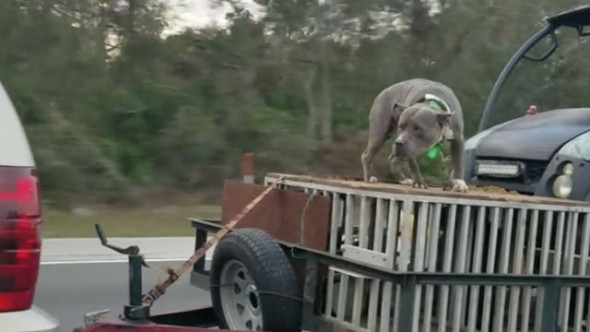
(68, 291)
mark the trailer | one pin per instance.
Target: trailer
(317, 253)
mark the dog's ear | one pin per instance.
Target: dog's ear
(399, 106)
(444, 119)
(398, 109)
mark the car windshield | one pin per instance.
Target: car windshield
(554, 77)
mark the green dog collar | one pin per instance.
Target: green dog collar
(434, 150)
(435, 104)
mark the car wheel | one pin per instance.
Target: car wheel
(253, 285)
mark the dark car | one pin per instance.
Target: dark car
(543, 154)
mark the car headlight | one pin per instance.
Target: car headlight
(579, 147)
(563, 183)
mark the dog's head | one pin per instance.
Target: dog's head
(418, 129)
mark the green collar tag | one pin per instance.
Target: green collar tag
(433, 151)
(434, 104)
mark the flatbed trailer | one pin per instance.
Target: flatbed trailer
(381, 257)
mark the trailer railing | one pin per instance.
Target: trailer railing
(458, 250)
(549, 289)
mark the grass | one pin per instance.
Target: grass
(137, 222)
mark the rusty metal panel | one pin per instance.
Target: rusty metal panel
(283, 213)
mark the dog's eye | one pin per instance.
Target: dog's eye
(416, 128)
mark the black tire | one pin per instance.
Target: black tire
(272, 274)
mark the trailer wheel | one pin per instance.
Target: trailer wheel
(253, 285)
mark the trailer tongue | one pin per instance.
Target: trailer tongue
(136, 315)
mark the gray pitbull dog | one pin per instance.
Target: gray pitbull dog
(423, 114)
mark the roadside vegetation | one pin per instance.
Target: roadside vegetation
(128, 222)
(117, 106)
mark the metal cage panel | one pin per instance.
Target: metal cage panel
(423, 233)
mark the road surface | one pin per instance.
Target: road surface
(68, 291)
(69, 288)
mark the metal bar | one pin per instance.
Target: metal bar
(392, 230)
(585, 250)
(373, 304)
(407, 230)
(386, 307)
(421, 235)
(364, 256)
(200, 239)
(570, 247)
(457, 307)
(364, 223)
(550, 302)
(448, 255)
(432, 256)
(517, 267)
(359, 284)
(487, 297)
(544, 266)
(357, 304)
(530, 263)
(390, 249)
(349, 219)
(380, 221)
(504, 259)
(419, 258)
(547, 231)
(348, 227)
(135, 282)
(559, 243)
(334, 224)
(468, 262)
(313, 292)
(477, 262)
(408, 296)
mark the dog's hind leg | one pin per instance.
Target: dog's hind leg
(457, 177)
(378, 133)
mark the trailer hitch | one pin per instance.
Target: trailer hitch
(135, 310)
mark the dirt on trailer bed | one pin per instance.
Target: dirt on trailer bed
(494, 190)
(479, 193)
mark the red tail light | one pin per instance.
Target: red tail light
(20, 240)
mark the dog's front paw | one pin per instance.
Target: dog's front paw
(407, 182)
(459, 185)
(373, 179)
(420, 184)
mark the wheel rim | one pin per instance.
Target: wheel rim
(239, 298)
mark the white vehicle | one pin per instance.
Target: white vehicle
(20, 233)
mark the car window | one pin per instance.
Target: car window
(14, 146)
